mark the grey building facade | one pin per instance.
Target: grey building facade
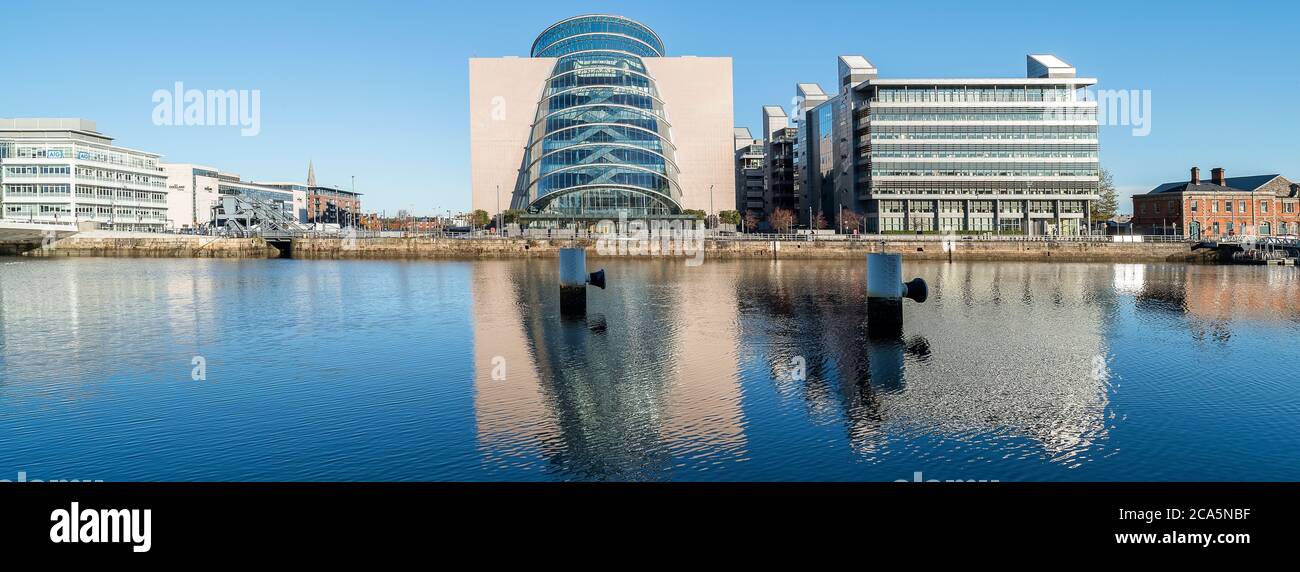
(750, 170)
(975, 155)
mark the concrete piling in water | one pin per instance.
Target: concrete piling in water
(574, 280)
(885, 293)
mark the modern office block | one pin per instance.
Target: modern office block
(60, 170)
(974, 155)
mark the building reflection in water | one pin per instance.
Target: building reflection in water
(976, 362)
(1215, 299)
(1008, 356)
(644, 384)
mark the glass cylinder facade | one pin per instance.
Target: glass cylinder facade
(601, 143)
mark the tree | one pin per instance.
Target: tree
(697, 214)
(479, 218)
(849, 221)
(751, 222)
(1106, 208)
(730, 217)
(819, 223)
(511, 216)
(781, 220)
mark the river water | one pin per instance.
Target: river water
(730, 371)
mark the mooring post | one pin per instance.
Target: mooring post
(574, 280)
(885, 293)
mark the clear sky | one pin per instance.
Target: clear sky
(377, 90)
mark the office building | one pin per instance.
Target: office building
(1257, 205)
(599, 121)
(192, 191)
(962, 155)
(749, 174)
(60, 170)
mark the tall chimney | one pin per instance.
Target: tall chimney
(1196, 175)
(1218, 175)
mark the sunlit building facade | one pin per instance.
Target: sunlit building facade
(598, 122)
(65, 170)
(953, 155)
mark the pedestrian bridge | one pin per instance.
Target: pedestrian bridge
(18, 236)
(1290, 246)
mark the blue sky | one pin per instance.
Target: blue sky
(377, 90)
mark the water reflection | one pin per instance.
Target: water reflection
(606, 395)
(670, 364)
(756, 370)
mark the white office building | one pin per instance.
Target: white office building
(192, 192)
(60, 170)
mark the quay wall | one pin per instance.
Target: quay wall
(110, 244)
(151, 245)
(428, 248)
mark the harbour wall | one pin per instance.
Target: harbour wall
(417, 248)
(148, 245)
(120, 244)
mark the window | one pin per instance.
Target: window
(1214, 206)
(1243, 207)
(1194, 203)
(1227, 206)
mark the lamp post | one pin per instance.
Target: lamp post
(711, 213)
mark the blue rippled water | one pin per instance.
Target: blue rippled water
(732, 371)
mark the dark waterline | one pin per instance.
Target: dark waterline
(378, 371)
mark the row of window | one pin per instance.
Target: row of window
(110, 194)
(35, 190)
(983, 132)
(959, 94)
(37, 170)
(1026, 170)
(1263, 229)
(1089, 114)
(1242, 207)
(1029, 153)
(79, 152)
(978, 207)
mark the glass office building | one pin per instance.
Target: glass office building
(600, 144)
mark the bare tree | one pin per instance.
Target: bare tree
(781, 220)
(849, 220)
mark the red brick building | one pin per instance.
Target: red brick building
(1260, 205)
(333, 206)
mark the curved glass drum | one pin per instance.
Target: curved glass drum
(600, 144)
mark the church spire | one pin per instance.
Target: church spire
(311, 174)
